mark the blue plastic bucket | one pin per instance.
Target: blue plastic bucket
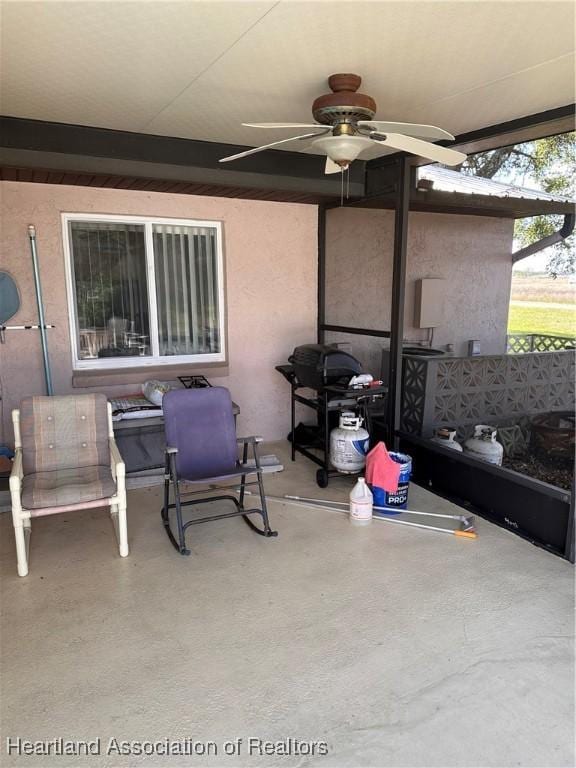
(398, 499)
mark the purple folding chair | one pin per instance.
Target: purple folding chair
(202, 447)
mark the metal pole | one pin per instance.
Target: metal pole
(570, 545)
(41, 320)
(321, 273)
(376, 508)
(398, 291)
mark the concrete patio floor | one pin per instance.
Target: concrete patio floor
(396, 647)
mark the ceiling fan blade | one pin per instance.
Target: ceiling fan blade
(266, 146)
(283, 125)
(421, 148)
(410, 129)
(331, 166)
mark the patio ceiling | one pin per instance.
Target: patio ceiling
(197, 70)
(98, 94)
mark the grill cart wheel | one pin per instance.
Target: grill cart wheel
(322, 478)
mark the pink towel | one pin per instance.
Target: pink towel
(381, 469)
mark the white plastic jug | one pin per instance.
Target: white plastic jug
(361, 503)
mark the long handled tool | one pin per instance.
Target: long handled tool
(465, 530)
(385, 510)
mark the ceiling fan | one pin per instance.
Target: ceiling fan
(345, 128)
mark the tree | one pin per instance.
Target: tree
(546, 164)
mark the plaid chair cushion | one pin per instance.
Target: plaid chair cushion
(64, 432)
(67, 486)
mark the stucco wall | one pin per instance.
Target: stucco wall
(472, 253)
(271, 276)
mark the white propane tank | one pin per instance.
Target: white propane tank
(361, 502)
(349, 444)
(446, 436)
(483, 445)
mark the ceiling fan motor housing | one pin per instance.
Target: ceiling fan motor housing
(344, 104)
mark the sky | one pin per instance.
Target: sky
(535, 263)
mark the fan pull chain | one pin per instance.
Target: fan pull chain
(344, 180)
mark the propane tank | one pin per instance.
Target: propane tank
(446, 436)
(349, 444)
(361, 503)
(483, 445)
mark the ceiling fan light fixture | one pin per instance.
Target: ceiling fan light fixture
(343, 150)
(344, 128)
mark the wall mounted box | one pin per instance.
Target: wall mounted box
(429, 302)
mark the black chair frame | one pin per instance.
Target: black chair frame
(171, 478)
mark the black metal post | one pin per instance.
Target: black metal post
(293, 421)
(398, 292)
(570, 547)
(326, 430)
(321, 273)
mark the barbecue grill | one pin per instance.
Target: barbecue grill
(320, 365)
(327, 370)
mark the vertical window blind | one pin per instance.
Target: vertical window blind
(186, 289)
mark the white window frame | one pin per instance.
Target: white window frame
(155, 359)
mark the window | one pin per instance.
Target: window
(144, 291)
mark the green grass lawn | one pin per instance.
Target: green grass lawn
(554, 321)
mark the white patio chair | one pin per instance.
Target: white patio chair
(66, 459)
